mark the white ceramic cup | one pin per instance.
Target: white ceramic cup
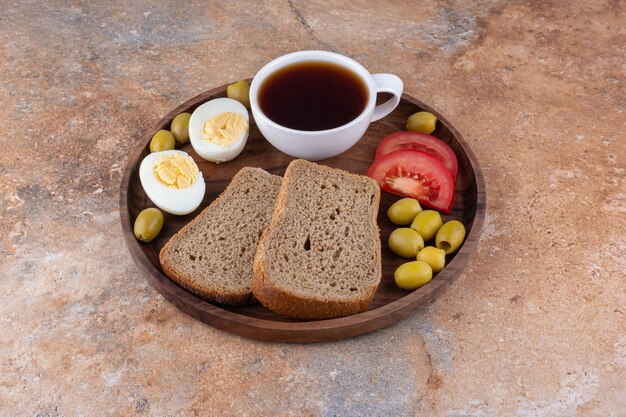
(321, 144)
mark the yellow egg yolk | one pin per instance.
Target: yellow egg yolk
(175, 170)
(224, 129)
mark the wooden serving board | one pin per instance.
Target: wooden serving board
(390, 304)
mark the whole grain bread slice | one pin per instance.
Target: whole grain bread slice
(320, 256)
(212, 255)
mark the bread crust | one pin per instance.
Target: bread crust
(211, 295)
(216, 295)
(288, 304)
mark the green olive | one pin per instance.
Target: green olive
(180, 127)
(405, 242)
(148, 224)
(163, 140)
(412, 275)
(239, 91)
(427, 223)
(433, 256)
(422, 122)
(403, 211)
(450, 236)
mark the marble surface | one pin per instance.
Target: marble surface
(535, 325)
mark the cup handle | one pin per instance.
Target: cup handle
(387, 83)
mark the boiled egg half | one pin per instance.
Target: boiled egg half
(172, 181)
(218, 129)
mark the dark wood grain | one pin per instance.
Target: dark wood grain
(390, 304)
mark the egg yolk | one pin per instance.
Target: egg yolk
(224, 129)
(175, 170)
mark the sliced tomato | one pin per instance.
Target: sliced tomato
(416, 174)
(421, 142)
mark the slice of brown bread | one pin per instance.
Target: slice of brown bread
(320, 256)
(212, 255)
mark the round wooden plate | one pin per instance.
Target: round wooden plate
(390, 304)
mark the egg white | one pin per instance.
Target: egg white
(172, 200)
(204, 112)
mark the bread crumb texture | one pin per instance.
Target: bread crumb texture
(212, 256)
(325, 243)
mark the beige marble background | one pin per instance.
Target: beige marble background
(535, 325)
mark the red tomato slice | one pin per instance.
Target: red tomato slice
(416, 174)
(421, 142)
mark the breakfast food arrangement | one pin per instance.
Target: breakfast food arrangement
(238, 223)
